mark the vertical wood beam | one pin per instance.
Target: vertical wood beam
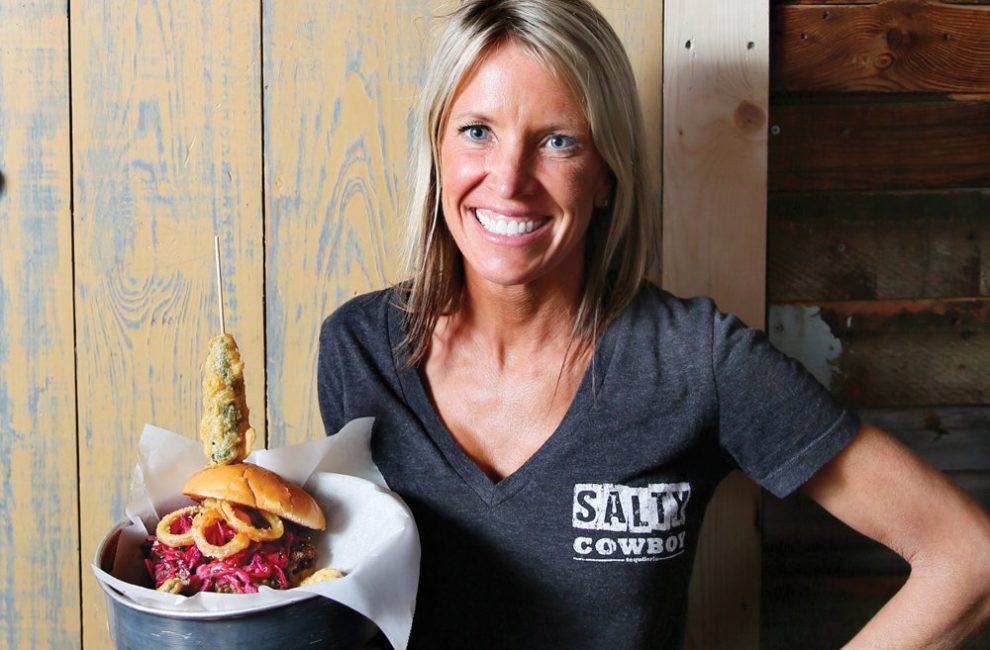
(39, 536)
(714, 243)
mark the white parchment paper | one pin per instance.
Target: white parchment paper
(370, 536)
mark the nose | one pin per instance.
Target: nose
(509, 170)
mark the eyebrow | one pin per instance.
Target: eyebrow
(469, 116)
(569, 125)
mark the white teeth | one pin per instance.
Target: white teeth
(496, 223)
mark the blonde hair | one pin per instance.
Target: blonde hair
(576, 42)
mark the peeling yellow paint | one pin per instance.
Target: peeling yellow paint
(168, 143)
(39, 562)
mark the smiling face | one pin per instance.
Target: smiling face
(519, 173)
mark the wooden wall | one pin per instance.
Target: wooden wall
(132, 132)
(878, 272)
(39, 530)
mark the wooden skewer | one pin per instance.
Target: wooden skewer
(216, 255)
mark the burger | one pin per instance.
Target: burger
(249, 527)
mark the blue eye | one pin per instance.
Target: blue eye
(561, 142)
(476, 132)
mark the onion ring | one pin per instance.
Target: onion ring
(164, 530)
(204, 520)
(233, 517)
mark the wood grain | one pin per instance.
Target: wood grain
(896, 46)
(868, 2)
(340, 81)
(166, 148)
(808, 553)
(714, 220)
(858, 143)
(338, 106)
(878, 245)
(913, 353)
(167, 152)
(714, 169)
(801, 539)
(952, 439)
(900, 353)
(39, 536)
(939, 425)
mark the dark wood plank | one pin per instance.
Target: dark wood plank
(820, 612)
(863, 144)
(865, 246)
(867, 2)
(892, 353)
(940, 421)
(776, 3)
(952, 438)
(801, 538)
(897, 46)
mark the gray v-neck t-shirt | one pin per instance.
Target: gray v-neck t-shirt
(590, 543)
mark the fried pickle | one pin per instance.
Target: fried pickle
(225, 431)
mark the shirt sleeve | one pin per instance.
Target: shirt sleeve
(328, 385)
(776, 422)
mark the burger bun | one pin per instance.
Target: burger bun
(253, 486)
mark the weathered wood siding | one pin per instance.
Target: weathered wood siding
(39, 532)
(878, 240)
(166, 153)
(339, 84)
(283, 128)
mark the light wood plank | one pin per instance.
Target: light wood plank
(639, 25)
(714, 215)
(39, 561)
(715, 159)
(167, 151)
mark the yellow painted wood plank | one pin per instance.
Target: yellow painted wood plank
(639, 25)
(340, 82)
(166, 101)
(39, 563)
(714, 243)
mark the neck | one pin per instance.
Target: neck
(516, 321)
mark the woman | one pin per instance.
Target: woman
(556, 423)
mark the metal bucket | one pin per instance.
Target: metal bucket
(315, 622)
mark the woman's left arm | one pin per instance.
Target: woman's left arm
(882, 489)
